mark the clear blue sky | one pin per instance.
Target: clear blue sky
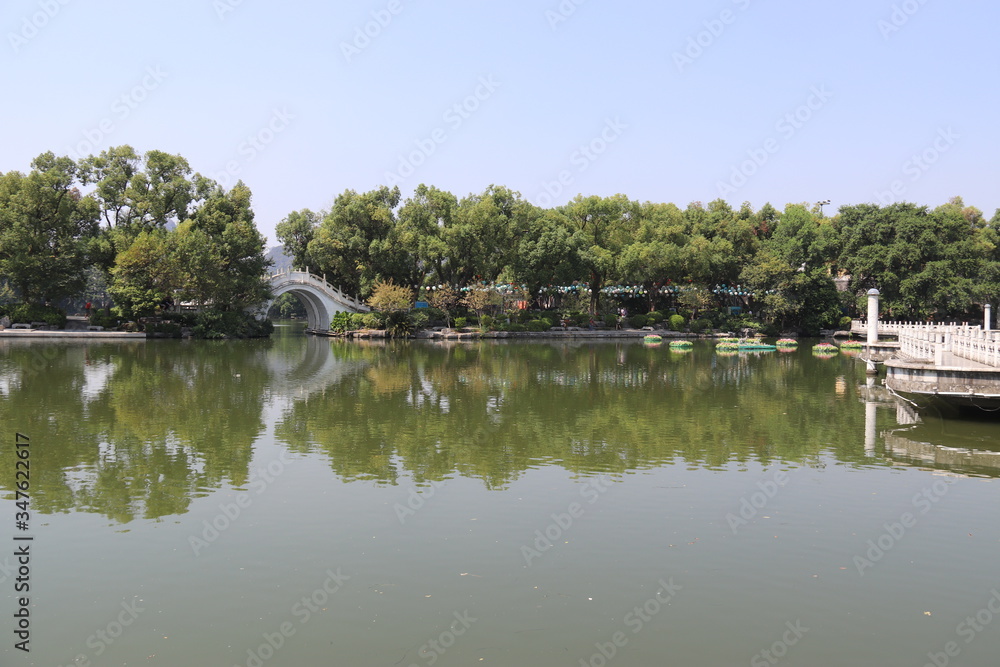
(535, 80)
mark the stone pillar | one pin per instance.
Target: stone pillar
(988, 324)
(873, 295)
(942, 344)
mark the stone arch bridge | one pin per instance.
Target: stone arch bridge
(321, 299)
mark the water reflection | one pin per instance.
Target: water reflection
(137, 430)
(491, 411)
(961, 446)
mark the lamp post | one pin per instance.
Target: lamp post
(821, 204)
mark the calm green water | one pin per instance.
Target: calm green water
(309, 502)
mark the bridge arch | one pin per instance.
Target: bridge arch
(321, 299)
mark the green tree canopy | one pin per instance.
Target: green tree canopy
(46, 228)
(225, 224)
(925, 263)
(355, 242)
(295, 232)
(145, 274)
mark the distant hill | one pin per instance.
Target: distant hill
(281, 261)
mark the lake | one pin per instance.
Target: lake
(308, 501)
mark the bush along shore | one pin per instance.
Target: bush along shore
(434, 323)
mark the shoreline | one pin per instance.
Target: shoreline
(555, 333)
(100, 335)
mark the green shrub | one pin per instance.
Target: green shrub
(460, 322)
(26, 313)
(398, 324)
(184, 319)
(100, 318)
(583, 319)
(419, 319)
(845, 323)
(168, 328)
(486, 321)
(372, 320)
(655, 317)
(745, 322)
(610, 320)
(677, 323)
(538, 325)
(637, 321)
(553, 320)
(701, 324)
(433, 314)
(341, 322)
(716, 317)
(515, 327)
(230, 324)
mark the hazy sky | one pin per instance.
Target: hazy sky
(748, 100)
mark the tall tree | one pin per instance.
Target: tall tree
(355, 242)
(925, 263)
(46, 227)
(656, 253)
(603, 225)
(487, 228)
(803, 238)
(138, 193)
(225, 222)
(295, 232)
(145, 275)
(423, 221)
(547, 252)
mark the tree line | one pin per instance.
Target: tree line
(783, 265)
(150, 232)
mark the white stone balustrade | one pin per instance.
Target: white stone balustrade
(932, 342)
(984, 349)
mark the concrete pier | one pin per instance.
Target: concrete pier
(952, 364)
